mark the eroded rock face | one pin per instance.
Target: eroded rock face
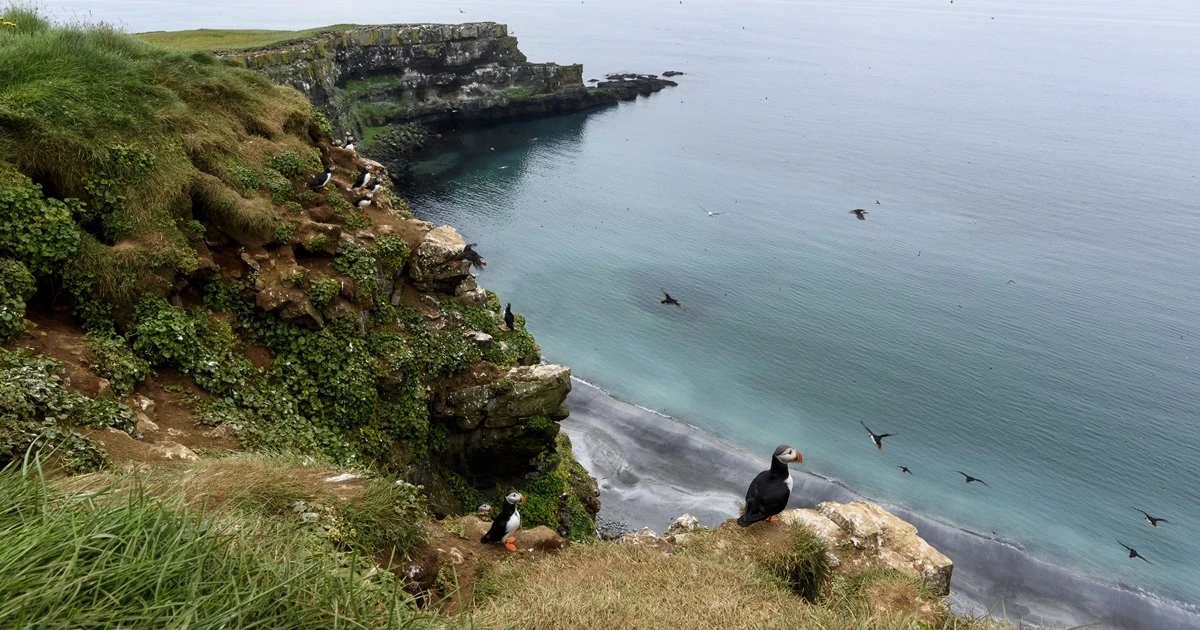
(436, 266)
(495, 431)
(864, 534)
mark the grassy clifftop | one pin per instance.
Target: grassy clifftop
(211, 39)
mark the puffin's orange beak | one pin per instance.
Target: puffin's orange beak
(799, 458)
(522, 500)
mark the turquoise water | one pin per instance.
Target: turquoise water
(1055, 145)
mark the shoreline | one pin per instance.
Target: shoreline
(652, 468)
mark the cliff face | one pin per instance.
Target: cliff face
(371, 77)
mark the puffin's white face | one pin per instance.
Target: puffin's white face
(514, 498)
(788, 455)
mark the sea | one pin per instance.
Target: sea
(1021, 303)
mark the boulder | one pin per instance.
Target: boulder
(538, 390)
(436, 266)
(890, 541)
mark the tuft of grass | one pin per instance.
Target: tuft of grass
(117, 556)
(389, 516)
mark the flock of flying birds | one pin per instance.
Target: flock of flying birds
(769, 492)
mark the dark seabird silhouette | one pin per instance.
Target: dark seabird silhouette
(1152, 520)
(460, 9)
(876, 201)
(471, 256)
(970, 478)
(667, 299)
(876, 438)
(904, 469)
(509, 319)
(1133, 552)
(1011, 282)
(860, 213)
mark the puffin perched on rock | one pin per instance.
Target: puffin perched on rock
(769, 492)
(505, 523)
(321, 179)
(364, 178)
(509, 320)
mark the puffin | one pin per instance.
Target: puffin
(1133, 553)
(1153, 520)
(505, 523)
(363, 178)
(876, 438)
(471, 256)
(374, 186)
(668, 300)
(509, 320)
(769, 492)
(970, 478)
(320, 180)
(860, 213)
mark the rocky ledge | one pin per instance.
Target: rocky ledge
(369, 78)
(858, 536)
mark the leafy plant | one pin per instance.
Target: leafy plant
(39, 232)
(111, 358)
(16, 286)
(322, 291)
(288, 163)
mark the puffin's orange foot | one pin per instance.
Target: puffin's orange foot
(509, 546)
(510, 540)
(772, 519)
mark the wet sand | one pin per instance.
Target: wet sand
(652, 468)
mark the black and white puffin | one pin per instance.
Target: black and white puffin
(505, 523)
(363, 178)
(509, 320)
(1153, 520)
(860, 213)
(769, 492)
(320, 180)
(374, 186)
(362, 202)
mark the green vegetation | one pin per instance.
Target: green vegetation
(233, 39)
(110, 357)
(16, 286)
(124, 138)
(119, 555)
(564, 481)
(515, 347)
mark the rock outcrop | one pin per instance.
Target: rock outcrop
(370, 77)
(862, 534)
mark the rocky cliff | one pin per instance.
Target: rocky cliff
(368, 78)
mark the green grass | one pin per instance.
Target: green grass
(117, 556)
(211, 39)
(116, 144)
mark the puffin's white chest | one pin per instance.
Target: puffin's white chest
(788, 480)
(513, 524)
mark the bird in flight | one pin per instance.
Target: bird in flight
(667, 299)
(710, 212)
(904, 469)
(876, 438)
(460, 9)
(1152, 520)
(876, 201)
(860, 213)
(1133, 552)
(970, 478)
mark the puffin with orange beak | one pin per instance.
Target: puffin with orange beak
(769, 492)
(505, 523)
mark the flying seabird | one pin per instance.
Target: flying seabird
(876, 201)
(471, 256)
(667, 299)
(904, 469)
(509, 320)
(1133, 552)
(710, 212)
(876, 438)
(860, 213)
(505, 523)
(321, 179)
(970, 478)
(768, 494)
(1152, 520)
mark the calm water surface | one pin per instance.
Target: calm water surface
(1055, 146)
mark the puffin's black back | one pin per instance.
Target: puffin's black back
(495, 533)
(767, 495)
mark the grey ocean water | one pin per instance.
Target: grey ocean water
(1054, 144)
